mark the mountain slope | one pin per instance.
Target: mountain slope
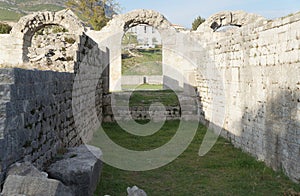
(12, 10)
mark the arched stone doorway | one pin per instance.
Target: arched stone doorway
(229, 18)
(142, 59)
(111, 37)
(24, 30)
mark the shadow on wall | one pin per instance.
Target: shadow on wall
(38, 116)
(282, 133)
(272, 133)
(37, 113)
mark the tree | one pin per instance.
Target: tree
(198, 21)
(94, 12)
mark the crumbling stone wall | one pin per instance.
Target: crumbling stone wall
(15, 46)
(53, 48)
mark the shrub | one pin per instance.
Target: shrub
(69, 58)
(5, 28)
(59, 29)
(70, 40)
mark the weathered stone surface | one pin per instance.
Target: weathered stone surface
(25, 169)
(242, 83)
(230, 18)
(33, 186)
(140, 16)
(53, 49)
(79, 169)
(26, 179)
(16, 44)
(185, 109)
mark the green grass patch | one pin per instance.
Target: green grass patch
(41, 7)
(6, 5)
(143, 87)
(149, 62)
(24, 1)
(225, 170)
(146, 98)
(7, 15)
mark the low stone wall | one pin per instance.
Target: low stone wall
(115, 108)
(138, 80)
(140, 113)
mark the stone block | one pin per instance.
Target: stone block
(25, 169)
(32, 186)
(79, 169)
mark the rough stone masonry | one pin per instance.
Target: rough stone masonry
(247, 78)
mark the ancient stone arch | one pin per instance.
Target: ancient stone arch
(24, 30)
(111, 37)
(125, 21)
(229, 18)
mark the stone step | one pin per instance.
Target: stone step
(190, 117)
(187, 110)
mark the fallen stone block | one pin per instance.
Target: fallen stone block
(25, 169)
(79, 169)
(33, 186)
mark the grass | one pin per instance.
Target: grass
(225, 170)
(42, 7)
(146, 98)
(6, 5)
(23, 1)
(8, 12)
(148, 63)
(7, 15)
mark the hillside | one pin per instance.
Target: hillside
(12, 10)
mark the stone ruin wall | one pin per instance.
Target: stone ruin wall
(256, 92)
(36, 111)
(256, 96)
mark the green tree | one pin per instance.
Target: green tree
(94, 12)
(198, 21)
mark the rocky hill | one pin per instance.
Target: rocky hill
(12, 10)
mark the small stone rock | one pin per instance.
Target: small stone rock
(135, 191)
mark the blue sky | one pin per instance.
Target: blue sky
(183, 12)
